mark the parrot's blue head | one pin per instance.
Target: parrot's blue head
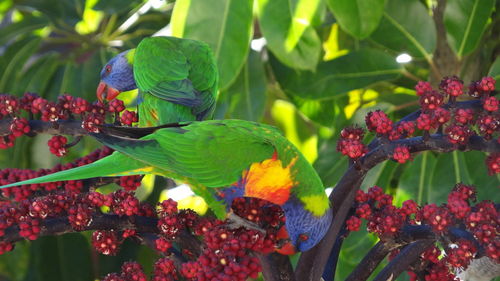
(305, 230)
(117, 76)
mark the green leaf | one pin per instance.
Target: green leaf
(14, 264)
(22, 27)
(495, 71)
(355, 70)
(416, 178)
(225, 25)
(247, 95)
(359, 17)
(63, 13)
(407, 27)
(354, 248)
(64, 257)
(21, 51)
(115, 6)
(286, 26)
(330, 164)
(465, 21)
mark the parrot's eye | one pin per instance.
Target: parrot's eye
(108, 68)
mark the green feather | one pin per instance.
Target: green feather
(181, 74)
(116, 164)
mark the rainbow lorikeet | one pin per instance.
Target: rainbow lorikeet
(177, 80)
(220, 160)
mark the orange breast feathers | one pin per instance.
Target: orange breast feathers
(269, 180)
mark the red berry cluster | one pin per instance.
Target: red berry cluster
(20, 193)
(226, 252)
(66, 108)
(480, 220)
(438, 112)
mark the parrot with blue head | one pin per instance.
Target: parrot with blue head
(176, 78)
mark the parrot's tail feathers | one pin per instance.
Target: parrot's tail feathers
(135, 132)
(113, 165)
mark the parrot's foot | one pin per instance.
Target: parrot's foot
(234, 221)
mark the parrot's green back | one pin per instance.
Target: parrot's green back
(177, 80)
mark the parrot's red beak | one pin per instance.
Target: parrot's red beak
(287, 248)
(106, 92)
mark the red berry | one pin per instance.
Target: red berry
(425, 122)
(19, 127)
(431, 100)
(162, 245)
(79, 106)
(464, 116)
(351, 148)
(491, 104)
(130, 183)
(377, 121)
(116, 105)
(401, 154)
(105, 242)
(487, 84)
(352, 133)
(493, 163)
(128, 117)
(458, 134)
(353, 223)
(57, 145)
(423, 87)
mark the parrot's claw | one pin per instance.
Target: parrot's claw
(234, 221)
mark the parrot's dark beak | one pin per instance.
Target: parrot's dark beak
(104, 91)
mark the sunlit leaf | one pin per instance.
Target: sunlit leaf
(465, 21)
(247, 95)
(406, 27)
(359, 17)
(225, 25)
(286, 25)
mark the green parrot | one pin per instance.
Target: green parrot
(177, 80)
(221, 160)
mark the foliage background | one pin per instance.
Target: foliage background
(309, 67)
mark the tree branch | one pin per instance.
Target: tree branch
(312, 263)
(60, 127)
(403, 260)
(61, 225)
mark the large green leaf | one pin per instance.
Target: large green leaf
(62, 258)
(63, 13)
(286, 25)
(225, 25)
(465, 21)
(328, 113)
(14, 60)
(22, 27)
(416, 178)
(247, 95)
(358, 17)
(407, 27)
(495, 71)
(355, 70)
(330, 165)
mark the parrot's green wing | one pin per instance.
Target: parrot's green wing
(215, 153)
(113, 165)
(167, 68)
